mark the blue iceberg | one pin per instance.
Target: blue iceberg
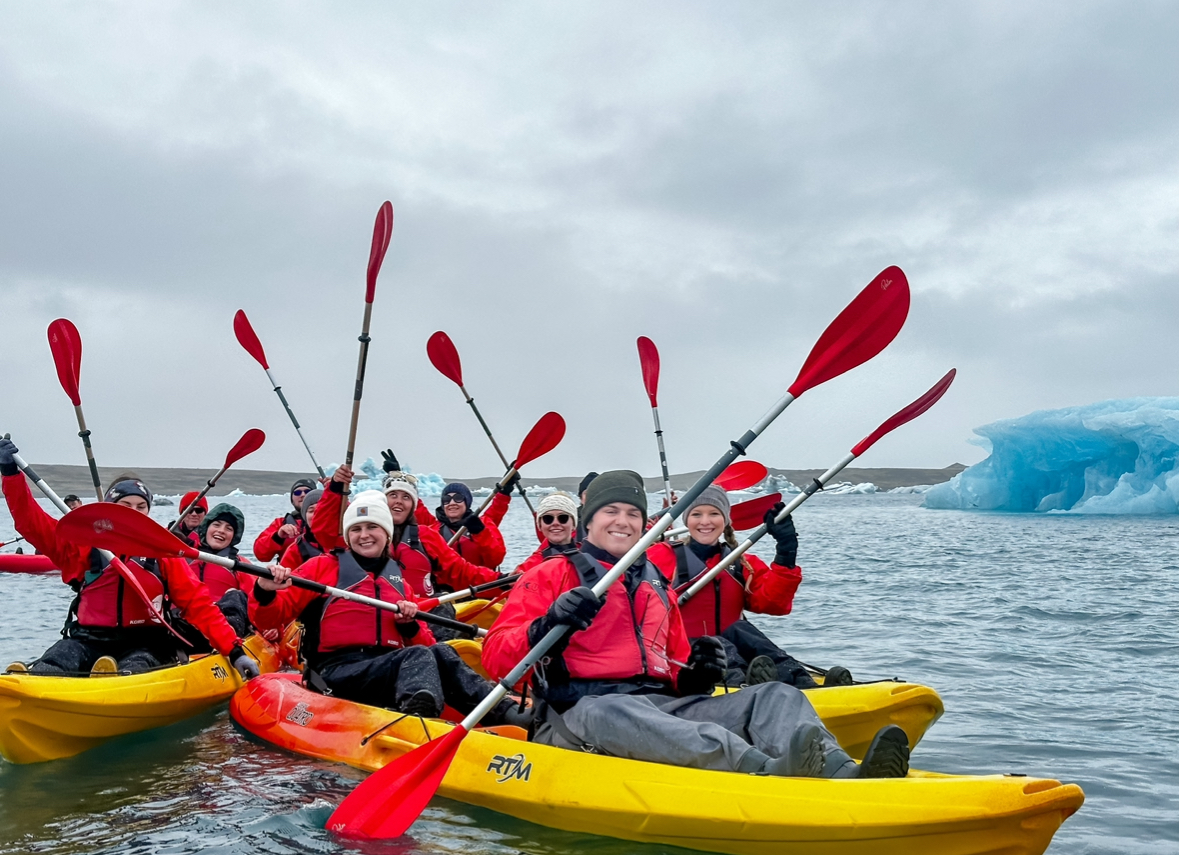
(370, 476)
(1112, 457)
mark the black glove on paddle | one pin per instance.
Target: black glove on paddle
(472, 523)
(510, 487)
(244, 663)
(784, 534)
(575, 608)
(8, 450)
(706, 667)
(390, 463)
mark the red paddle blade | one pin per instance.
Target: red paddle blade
(861, 331)
(908, 413)
(123, 531)
(444, 356)
(66, 346)
(250, 442)
(741, 475)
(390, 800)
(382, 230)
(545, 435)
(747, 515)
(649, 362)
(248, 339)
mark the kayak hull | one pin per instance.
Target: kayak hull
(33, 564)
(691, 808)
(47, 718)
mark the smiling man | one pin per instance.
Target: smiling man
(625, 681)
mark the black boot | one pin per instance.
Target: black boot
(837, 675)
(888, 755)
(761, 670)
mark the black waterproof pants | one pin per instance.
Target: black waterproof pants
(233, 605)
(743, 642)
(76, 655)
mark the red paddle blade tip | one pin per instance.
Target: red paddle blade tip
(390, 800)
(908, 413)
(248, 339)
(444, 356)
(747, 515)
(649, 362)
(545, 435)
(864, 328)
(382, 230)
(742, 475)
(66, 346)
(250, 442)
(121, 530)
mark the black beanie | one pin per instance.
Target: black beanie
(585, 482)
(303, 482)
(619, 485)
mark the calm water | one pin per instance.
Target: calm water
(1053, 641)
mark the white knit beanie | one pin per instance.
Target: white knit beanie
(402, 481)
(369, 506)
(561, 503)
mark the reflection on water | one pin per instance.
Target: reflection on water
(1052, 640)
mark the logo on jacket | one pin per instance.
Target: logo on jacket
(508, 768)
(300, 715)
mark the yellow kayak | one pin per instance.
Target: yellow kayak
(47, 718)
(652, 803)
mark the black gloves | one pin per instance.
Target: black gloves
(510, 487)
(7, 459)
(472, 523)
(244, 663)
(390, 463)
(706, 667)
(575, 608)
(783, 532)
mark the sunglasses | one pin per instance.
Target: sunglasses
(201, 511)
(453, 499)
(549, 519)
(302, 491)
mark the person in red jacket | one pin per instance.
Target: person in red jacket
(305, 546)
(187, 530)
(556, 524)
(384, 659)
(482, 542)
(282, 532)
(718, 609)
(219, 533)
(429, 564)
(627, 682)
(110, 628)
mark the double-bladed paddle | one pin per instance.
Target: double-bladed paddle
(465, 593)
(118, 528)
(66, 345)
(899, 418)
(649, 363)
(444, 356)
(545, 435)
(250, 442)
(388, 801)
(248, 339)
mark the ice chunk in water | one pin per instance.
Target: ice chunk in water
(1112, 457)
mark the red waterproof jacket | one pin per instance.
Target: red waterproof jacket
(434, 563)
(756, 587)
(268, 545)
(290, 603)
(300, 552)
(218, 579)
(543, 552)
(75, 561)
(638, 634)
(486, 548)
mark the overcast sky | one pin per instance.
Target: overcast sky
(723, 178)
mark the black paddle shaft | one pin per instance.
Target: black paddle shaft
(299, 582)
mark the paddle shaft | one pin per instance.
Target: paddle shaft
(294, 421)
(736, 448)
(760, 532)
(14, 540)
(84, 433)
(361, 362)
(209, 485)
(662, 454)
(468, 592)
(339, 593)
(512, 470)
(519, 487)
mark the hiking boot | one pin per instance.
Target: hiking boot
(761, 670)
(801, 679)
(422, 703)
(837, 675)
(104, 666)
(805, 759)
(17, 668)
(887, 756)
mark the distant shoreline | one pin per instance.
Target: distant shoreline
(76, 479)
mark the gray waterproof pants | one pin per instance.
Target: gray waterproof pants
(737, 732)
